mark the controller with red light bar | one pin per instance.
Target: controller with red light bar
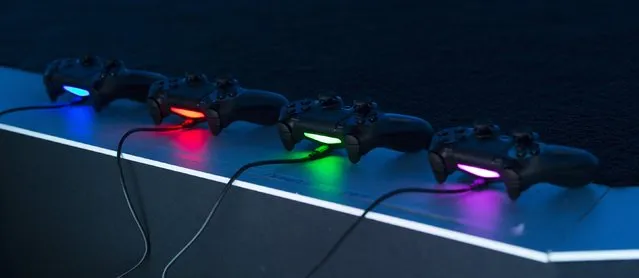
(359, 128)
(218, 103)
(102, 80)
(518, 159)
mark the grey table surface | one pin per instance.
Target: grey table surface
(547, 223)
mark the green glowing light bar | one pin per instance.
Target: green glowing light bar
(322, 139)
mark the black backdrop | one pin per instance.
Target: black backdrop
(568, 70)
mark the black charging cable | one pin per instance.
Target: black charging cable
(319, 152)
(75, 101)
(125, 191)
(376, 203)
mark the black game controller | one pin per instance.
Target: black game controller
(102, 80)
(219, 103)
(72, 75)
(115, 81)
(359, 128)
(518, 159)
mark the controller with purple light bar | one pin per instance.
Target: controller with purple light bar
(518, 159)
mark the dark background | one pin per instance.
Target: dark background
(568, 69)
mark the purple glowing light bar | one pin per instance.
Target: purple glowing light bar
(482, 173)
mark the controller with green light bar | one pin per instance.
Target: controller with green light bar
(359, 128)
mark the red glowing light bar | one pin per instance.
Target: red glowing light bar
(186, 113)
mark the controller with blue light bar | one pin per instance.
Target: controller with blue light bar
(103, 81)
(517, 159)
(359, 128)
(72, 75)
(219, 103)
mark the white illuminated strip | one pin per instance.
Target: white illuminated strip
(594, 255)
(542, 257)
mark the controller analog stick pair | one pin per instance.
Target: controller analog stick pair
(485, 129)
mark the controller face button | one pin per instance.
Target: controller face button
(373, 118)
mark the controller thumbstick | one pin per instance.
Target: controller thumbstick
(113, 64)
(364, 107)
(485, 128)
(330, 101)
(523, 136)
(225, 82)
(87, 60)
(192, 78)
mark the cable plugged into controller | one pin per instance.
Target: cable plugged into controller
(125, 191)
(75, 101)
(476, 185)
(318, 153)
